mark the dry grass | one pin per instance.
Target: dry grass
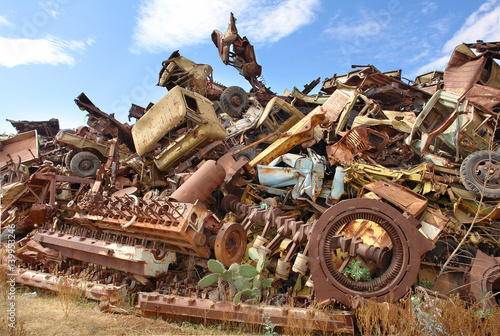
(19, 326)
(414, 316)
(126, 301)
(43, 316)
(67, 294)
(4, 288)
(67, 314)
(18, 330)
(298, 326)
(48, 314)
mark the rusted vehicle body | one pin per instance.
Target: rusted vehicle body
(180, 123)
(190, 125)
(260, 123)
(242, 56)
(22, 148)
(85, 156)
(465, 69)
(430, 82)
(46, 130)
(180, 71)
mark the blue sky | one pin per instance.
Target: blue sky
(52, 50)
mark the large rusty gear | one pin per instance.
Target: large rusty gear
(392, 281)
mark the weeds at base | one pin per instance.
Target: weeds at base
(68, 294)
(19, 328)
(414, 316)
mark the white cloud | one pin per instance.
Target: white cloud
(53, 8)
(4, 21)
(437, 64)
(480, 25)
(49, 50)
(271, 25)
(166, 25)
(347, 31)
(440, 28)
(360, 30)
(483, 24)
(90, 41)
(428, 7)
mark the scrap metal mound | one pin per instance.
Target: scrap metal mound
(355, 193)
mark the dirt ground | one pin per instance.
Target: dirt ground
(43, 315)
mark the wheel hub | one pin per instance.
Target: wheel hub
(86, 165)
(489, 172)
(236, 101)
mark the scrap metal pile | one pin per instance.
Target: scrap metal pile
(361, 191)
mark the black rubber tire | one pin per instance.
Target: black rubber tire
(85, 164)
(69, 156)
(233, 101)
(472, 173)
(248, 153)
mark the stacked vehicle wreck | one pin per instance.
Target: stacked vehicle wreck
(361, 191)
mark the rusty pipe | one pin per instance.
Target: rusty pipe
(201, 184)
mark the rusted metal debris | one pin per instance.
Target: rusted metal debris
(354, 193)
(90, 289)
(483, 279)
(287, 318)
(22, 148)
(241, 55)
(47, 128)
